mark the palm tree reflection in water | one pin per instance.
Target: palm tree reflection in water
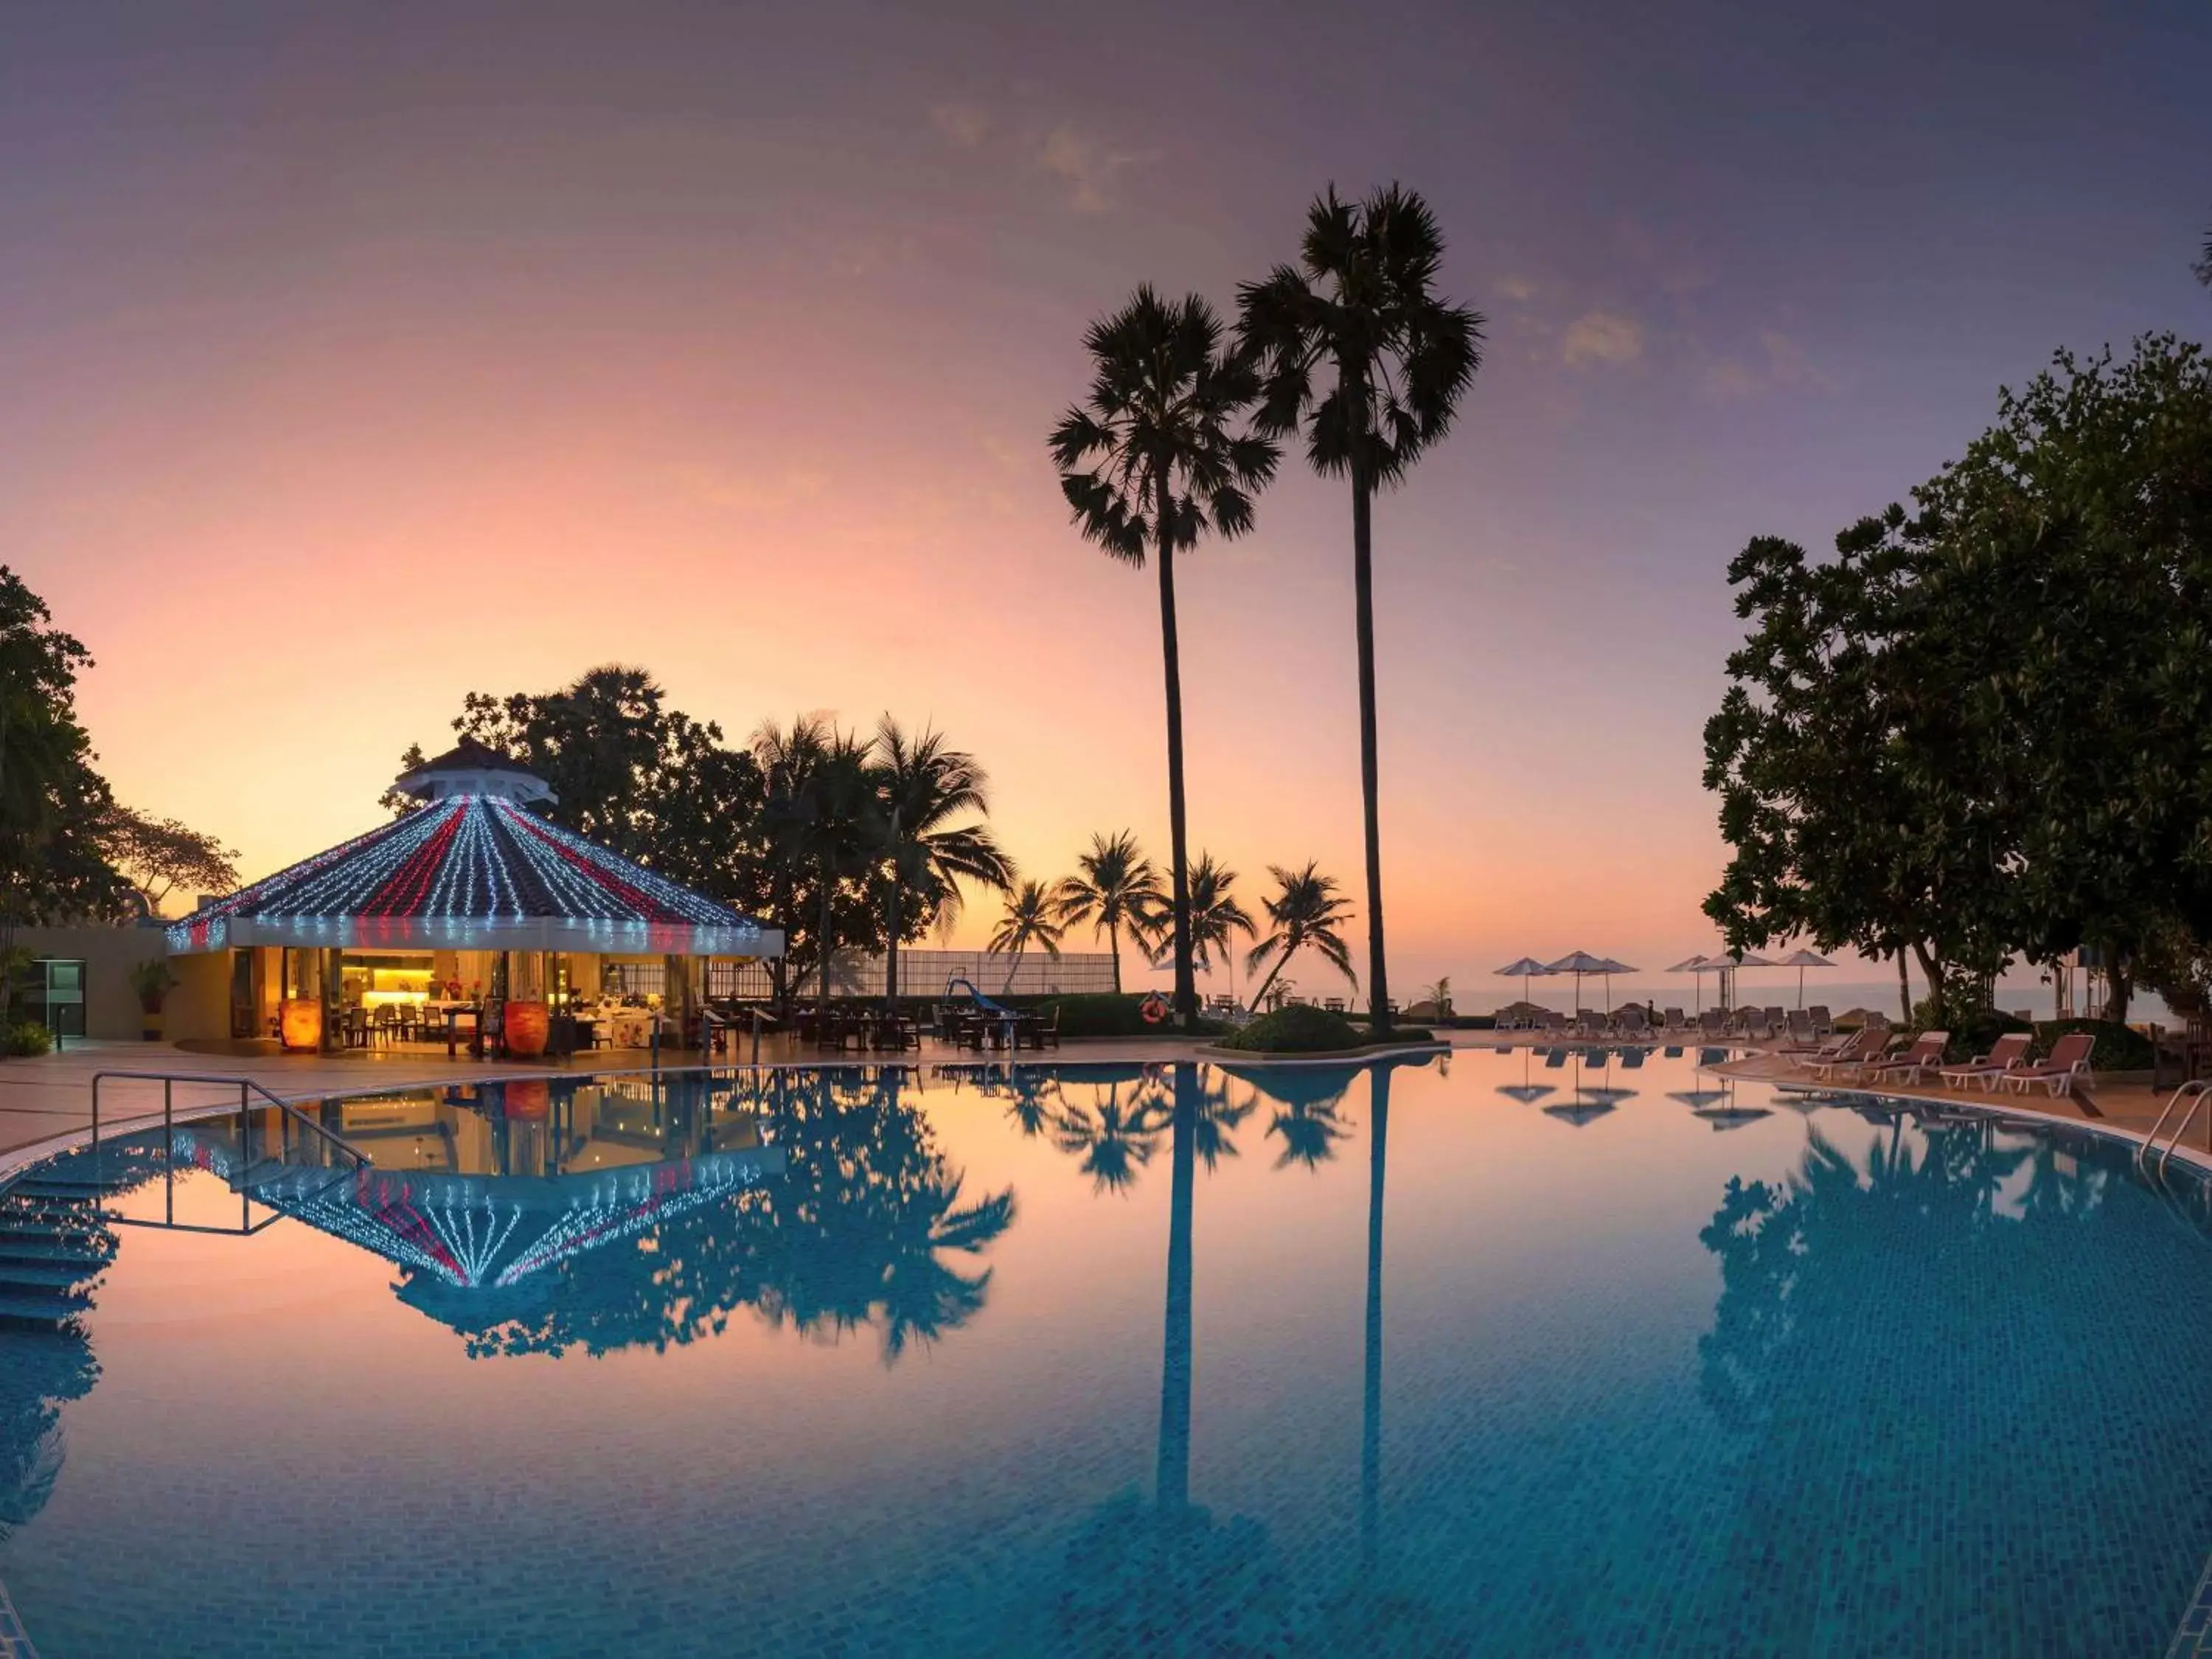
(855, 1232)
(1913, 1350)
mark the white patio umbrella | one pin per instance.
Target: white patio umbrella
(1525, 968)
(1581, 962)
(1607, 971)
(1800, 961)
(1727, 965)
(1699, 965)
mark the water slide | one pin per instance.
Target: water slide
(976, 996)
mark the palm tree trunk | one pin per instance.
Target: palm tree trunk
(890, 948)
(1370, 1417)
(1281, 963)
(1114, 939)
(828, 897)
(1171, 1479)
(1186, 987)
(1012, 968)
(1904, 989)
(1363, 594)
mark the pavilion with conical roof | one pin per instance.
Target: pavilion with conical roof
(469, 892)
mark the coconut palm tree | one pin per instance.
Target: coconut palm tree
(1117, 889)
(1305, 910)
(788, 757)
(1150, 462)
(924, 790)
(1215, 913)
(844, 828)
(1358, 352)
(1032, 917)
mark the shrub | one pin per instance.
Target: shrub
(1297, 1029)
(28, 1037)
(1979, 1029)
(1107, 1014)
(2119, 1047)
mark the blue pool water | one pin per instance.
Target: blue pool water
(1497, 1356)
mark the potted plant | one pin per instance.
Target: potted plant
(152, 981)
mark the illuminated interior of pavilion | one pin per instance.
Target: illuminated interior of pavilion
(469, 921)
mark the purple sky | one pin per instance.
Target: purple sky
(362, 356)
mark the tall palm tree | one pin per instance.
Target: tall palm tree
(1117, 889)
(1358, 350)
(844, 829)
(925, 790)
(1032, 917)
(788, 757)
(1305, 910)
(1148, 464)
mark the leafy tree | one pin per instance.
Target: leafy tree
(926, 790)
(159, 855)
(1359, 352)
(634, 775)
(1148, 464)
(1116, 890)
(1032, 917)
(1305, 910)
(2203, 266)
(54, 806)
(1983, 729)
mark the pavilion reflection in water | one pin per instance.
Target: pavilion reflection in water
(483, 1186)
(533, 1215)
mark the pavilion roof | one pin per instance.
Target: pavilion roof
(474, 872)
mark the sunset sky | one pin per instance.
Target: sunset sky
(359, 357)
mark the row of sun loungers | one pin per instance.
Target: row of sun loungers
(1807, 1025)
(1869, 1056)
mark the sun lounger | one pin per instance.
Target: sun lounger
(1922, 1056)
(1859, 1049)
(1675, 1022)
(1800, 1038)
(2007, 1053)
(2068, 1064)
(1824, 1023)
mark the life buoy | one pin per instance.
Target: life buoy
(1154, 1008)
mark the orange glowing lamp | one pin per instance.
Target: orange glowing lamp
(526, 1025)
(529, 1101)
(299, 1021)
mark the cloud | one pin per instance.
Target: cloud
(1602, 336)
(1782, 362)
(1518, 288)
(1786, 361)
(962, 125)
(1730, 379)
(1086, 166)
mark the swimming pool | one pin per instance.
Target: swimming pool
(1494, 1355)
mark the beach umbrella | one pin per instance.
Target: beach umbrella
(1578, 1112)
(1607, 971)
(1581, 962)
(1700, 966)
(1727, 965)
(1800, 961)
(1525, 968)
(1697, 1097)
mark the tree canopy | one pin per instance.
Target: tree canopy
(1984, 731)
